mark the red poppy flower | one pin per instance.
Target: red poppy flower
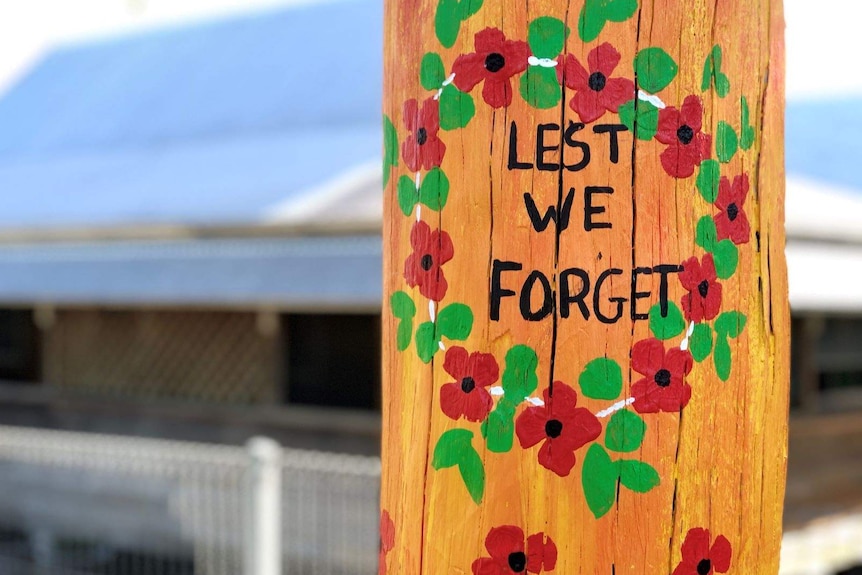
(387, 540)
(663, 388)
(509, 554)
(422, 148)
(703, 300)
(731, 221)
(562, 426)
(467, 396)
(595, 91)
(431, 249)
(495, 61)
(680, 129)
(698, 558)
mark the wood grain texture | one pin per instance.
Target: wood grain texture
(710, 387)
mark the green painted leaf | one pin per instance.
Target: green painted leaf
(447, 21)
(547, 37)
(655, 69)
(402, 305)
(721, 357)
(706, 78)
(708, 177)
(596, 13)
(712, 73)
(599, 479)
(499, 428)
(390, 148)
(432, 73)
(601, 378)
(726, 256)
(457, 108)
(434, 190)
(451, 448)
(730, 324)
(404, 309)
(706, 234)
(625, 431)
(427, 342)
(455, 321)
(638, 476)
(455, 447)
(700, 343)
(540, 88)
(473, 473)
(747, 135)
(519, 377)
(642, 121)
(726, 143)
(669, 326)
(407, 195)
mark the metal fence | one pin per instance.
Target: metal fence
(82, 504)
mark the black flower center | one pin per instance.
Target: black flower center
(703, 288)
(685, 134)
(426, 262)
(732, 211)
(494, 62)
(517, 561)
(704, 567)
(597, 81)
(468, 384)
(662, 378)
(553, 428)
(421, 136)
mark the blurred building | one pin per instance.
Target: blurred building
(190, 233)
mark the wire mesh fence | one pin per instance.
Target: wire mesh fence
(88, 504)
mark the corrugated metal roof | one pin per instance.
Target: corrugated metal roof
(218, 123)
(319, 273)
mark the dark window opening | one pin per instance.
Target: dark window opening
(19, 346)
(333, 360)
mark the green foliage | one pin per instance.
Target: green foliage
(712, 73)
(599, 480)
(457, 108)
(638, 476)
(730, 323)
(706, 234)
(540, 88)
(455, 447)
(390, 149)
(432, 73)
(596, 13)
(668, 326)
(748, 134)
(547, 37)
(640, 117)
(708, 177)
(726, 142)
(625, 431)
(726, 257)
(655, 69)
(602, 378)
(700, 343)
(404, 309)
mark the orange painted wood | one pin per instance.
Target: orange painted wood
(703, 480)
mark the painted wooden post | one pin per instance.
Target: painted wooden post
(586, 323)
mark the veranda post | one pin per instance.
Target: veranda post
(585, 317)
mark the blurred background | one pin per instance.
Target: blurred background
(190, 263)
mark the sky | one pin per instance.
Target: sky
(821, 34)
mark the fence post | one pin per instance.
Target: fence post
(586, 322)
(263, 532)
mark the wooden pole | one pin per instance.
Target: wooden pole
(585, 323)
